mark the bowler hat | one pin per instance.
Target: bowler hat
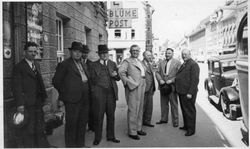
(85, 48)
(102, 49)
(76, 46)
(165, 89)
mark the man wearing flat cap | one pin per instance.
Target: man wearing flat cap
(72, 83)
(104, 91)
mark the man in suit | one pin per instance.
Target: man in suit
(166, 75)
(85, 60)
(187, 80)
(149, 91)
(104, 94)
(30, 94)
(132, 73)
(72, 83)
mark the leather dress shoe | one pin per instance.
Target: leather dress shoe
(142, 133)
(189, 133)
(114, 140)
(148, 124)
(183, 128)
(161, 122)
(96, 142)
(135, 137)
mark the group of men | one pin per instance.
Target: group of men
(89, 90)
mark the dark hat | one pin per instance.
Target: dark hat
(102, 49)
(165, 89)
(85, 48)
(76, 46)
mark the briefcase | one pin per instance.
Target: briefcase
(165, 89)
(52, 121)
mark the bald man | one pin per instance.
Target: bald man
(149, 91)
(186, 81)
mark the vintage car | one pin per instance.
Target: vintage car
(242, 65)
(222, 85)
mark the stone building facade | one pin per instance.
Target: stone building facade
(53, 25)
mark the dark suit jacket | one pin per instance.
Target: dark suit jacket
(187, 78)
(95, 68)
(149, 75)
(68, 81)
(25, 86)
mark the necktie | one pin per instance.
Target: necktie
(105, 62)
(166, 67)
(34, 68)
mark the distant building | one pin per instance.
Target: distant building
(125, 31)
(216, 34)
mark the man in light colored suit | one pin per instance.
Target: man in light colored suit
(166, 75)
(132, 73)
(149, 91)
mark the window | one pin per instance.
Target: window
(243, 40)
(132, 33)
(227, 66)
(216, 68)
(59, 36)
(117, 33)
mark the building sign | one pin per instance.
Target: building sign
(116, 4)
(34, 26)
(122, 17)
(120, 23)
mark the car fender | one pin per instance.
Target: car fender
(230, 93)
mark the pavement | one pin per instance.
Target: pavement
(212, 128)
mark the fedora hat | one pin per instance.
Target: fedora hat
(102, 49)
(76, 46)
(85, 48)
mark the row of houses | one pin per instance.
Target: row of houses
(215, 34)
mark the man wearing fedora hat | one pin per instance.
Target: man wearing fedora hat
(85, 52)
(103, 74)
(72, 83)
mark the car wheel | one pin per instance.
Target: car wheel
(225, 106)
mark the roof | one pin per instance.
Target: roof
(225, 57)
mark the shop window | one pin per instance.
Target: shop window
(132, 33)
(117, 33)
(59, 36)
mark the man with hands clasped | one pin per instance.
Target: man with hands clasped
(166, 74)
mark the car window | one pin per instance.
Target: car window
(243, 50)
(216, 68)
(228, 65)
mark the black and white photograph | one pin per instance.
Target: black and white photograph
(124, 74)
